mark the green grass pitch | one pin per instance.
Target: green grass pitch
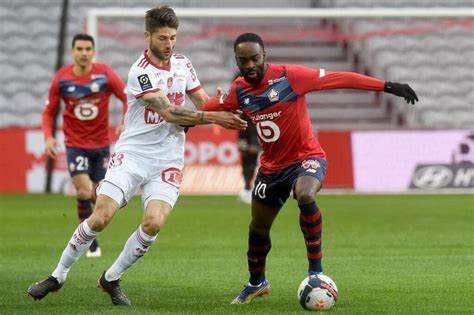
(405, 254)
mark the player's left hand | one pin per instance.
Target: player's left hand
(402, 90)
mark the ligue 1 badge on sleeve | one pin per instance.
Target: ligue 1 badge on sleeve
(144, 81)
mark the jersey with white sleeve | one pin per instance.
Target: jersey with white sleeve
(146, 133)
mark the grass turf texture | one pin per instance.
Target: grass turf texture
(409, 254)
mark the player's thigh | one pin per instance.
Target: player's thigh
(78, 161)
(99, 164)
(271, 189)
(263, 215)
(82, 184)
(308, 177)
(163, 185)
(104, 210)
(125, 175)
(155, 215)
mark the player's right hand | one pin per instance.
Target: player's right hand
(51, 147)
(230, 120)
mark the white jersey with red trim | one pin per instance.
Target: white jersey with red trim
(146, 133)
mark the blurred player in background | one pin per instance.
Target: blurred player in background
(85, 88)
(273, 96)
(149, 155)
(249, 148)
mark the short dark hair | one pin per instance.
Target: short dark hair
(163, 16)
(82, 36)
(248, 38)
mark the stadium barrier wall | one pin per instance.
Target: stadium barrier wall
(364, 161)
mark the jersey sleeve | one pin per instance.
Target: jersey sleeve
(304, 80)
(141, 82)
(192, 80)
(118, 88)
(51, 105)
(227, 101)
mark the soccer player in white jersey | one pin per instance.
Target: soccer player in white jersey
(148, 156)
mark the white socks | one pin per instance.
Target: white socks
(79, 243)
(135, 247)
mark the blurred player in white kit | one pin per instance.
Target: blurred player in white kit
(149, 155)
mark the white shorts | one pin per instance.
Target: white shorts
(128, 173)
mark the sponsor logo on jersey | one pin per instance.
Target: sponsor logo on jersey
(310, 164)
(152, 117)
(266, 116)
(273, 95)
(97, 76)
(271, 82)
(144, 81)
(268, 131)
(71, 88)
(191, 71)
(246, 101)
(176, 98)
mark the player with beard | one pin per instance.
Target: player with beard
(148, 157)
(292, 159)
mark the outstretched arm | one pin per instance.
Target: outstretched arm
(308, 79)
(175, 114)
(352, 80)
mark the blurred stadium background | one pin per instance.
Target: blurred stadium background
(403, 254)
(374, 141)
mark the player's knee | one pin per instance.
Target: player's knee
(260, 229)
(97, 223)
(83, 193)
(152, 223)
(100, 218)
(151, 227)
(305, 196)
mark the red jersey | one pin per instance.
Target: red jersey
(278, 109)
(86, 98)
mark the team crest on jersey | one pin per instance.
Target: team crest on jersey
(273, 95)
(95, 87)
(169, 83)
(172, 176)
(310, 164)
(246, 101)
(144, 81)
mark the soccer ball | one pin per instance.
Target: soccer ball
(317, 293)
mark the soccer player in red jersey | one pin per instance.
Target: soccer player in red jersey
(85, 87)
(273, 96)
